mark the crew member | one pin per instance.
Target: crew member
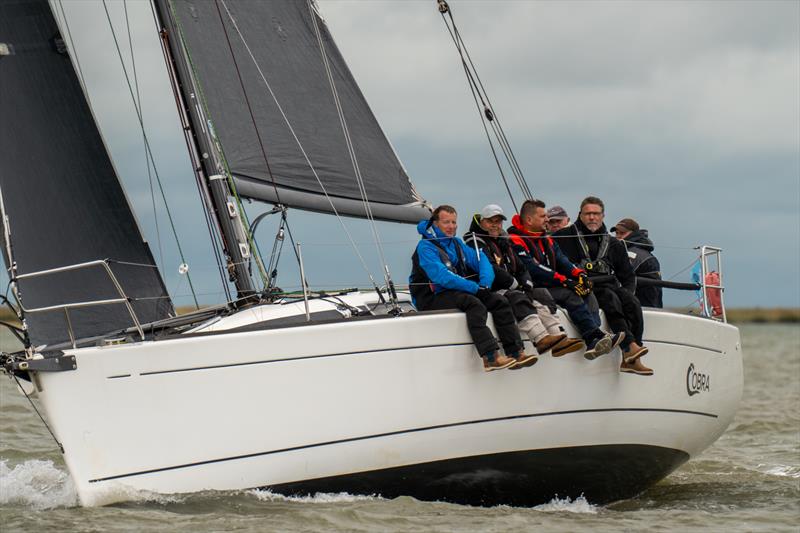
(588, 244)
(644, 263)
(442, 266)
(550, 268)
(512, 280)
(557, 218)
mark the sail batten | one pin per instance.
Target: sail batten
(63, 200)
(268, 95)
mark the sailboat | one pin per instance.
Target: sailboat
(353, 392)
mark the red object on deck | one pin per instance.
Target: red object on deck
(714, 295)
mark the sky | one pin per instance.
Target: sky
(682, 115)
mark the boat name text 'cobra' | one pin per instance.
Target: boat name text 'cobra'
(697, 382)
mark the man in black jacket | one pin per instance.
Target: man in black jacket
(588, 244)
(512, 280)
(644, 263)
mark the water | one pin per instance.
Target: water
(748, 481)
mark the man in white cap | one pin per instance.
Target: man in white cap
(513, 281)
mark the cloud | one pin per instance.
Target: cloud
(724, 75)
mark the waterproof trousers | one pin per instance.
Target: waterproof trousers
(530, 320)
(623, 312)
(476, 310)
(546, 309)
(587, 322)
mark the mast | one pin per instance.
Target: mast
(206, 156)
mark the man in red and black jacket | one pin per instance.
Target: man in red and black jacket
(551, 269)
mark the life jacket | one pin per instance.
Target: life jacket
(421, 288)
(600, 264)
(493, 249)
(540, 247)
(638, 257)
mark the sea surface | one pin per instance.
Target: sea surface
(748, 481)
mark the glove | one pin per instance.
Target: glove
(585, 280)
(483, 293)
(578, 287)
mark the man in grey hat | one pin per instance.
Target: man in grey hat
(513, 282)
(557, 218)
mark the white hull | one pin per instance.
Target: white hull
(386, 405)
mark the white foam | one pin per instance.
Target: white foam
(38, 484)
(319, 497)
(579, 505)
(782, 471)
(119, 492)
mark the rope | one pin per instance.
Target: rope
(299, 144)
(147, 147)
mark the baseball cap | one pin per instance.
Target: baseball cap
(626, 224)
(492, 210)
(557, 212)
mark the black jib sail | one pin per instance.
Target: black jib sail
(63, 202)
(268, 95)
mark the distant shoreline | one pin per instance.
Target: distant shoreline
(741, 315)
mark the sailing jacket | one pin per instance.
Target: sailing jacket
(443, 263)
(509, 271)
(614, 259)
(546, 263)
(645, 265)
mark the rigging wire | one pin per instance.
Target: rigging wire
(19, 385)
(495, 120)
(146, 153)
(299, 144)
(353, 158)
(211, 222)
(147, 147)
(484, 106)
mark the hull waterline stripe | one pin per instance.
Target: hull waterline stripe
(649, 341)
(402, 432)
(300, 358)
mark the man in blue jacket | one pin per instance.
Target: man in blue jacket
(447, 274)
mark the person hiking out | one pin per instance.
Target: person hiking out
(447, 274)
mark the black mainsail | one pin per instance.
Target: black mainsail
(63, 201)
(267, 93)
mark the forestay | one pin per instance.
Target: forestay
(63, 200)
(270, 104)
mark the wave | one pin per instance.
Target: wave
(319, 497)
(37, 484)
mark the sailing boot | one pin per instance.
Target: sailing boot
(548, 342)
(522, 360)
(496, 361)
(567, 345)
(636, 367)
(634, 352)
(599, 345)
